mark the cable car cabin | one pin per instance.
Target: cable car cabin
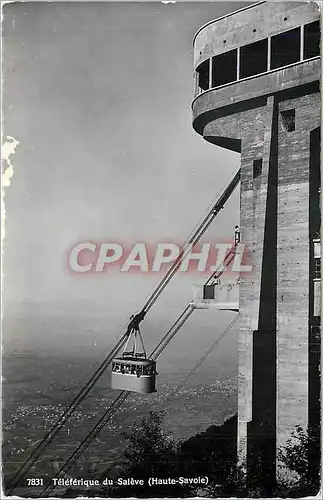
(134, 374)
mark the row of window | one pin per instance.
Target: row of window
(276, 52)
(133, 369)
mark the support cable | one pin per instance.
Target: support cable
(37, 452)
(187, 377)
(205, 356)
(124, 394)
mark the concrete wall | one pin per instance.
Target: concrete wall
(254, 128)
(293, 282)
(274, 299)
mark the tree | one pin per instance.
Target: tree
(213, 453)
(151, 453)
(302, 455)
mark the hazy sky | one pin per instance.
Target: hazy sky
(99, 96)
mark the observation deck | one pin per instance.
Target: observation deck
(244, 57)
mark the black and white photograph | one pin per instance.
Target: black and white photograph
(161, 249)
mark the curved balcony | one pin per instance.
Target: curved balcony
(242, 57)
(243, 94)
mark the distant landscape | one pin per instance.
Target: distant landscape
(36, 388)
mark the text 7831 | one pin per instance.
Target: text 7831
(35, 481)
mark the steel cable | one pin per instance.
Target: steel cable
(48, 438)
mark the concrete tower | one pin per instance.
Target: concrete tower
(257, 75)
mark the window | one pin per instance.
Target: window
(224, 68)
(288, 119)
(203, 75)
(285, 48)
(317, 249)
(208, 292)
(139, 370)
(317, 269)
(257, 168)
(253, 58)
(149, 370)
(311, 40)
(315, 334)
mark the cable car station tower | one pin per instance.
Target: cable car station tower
(257, 75)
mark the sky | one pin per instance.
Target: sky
(99, 97)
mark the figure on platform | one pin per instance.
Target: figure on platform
(236, 235)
